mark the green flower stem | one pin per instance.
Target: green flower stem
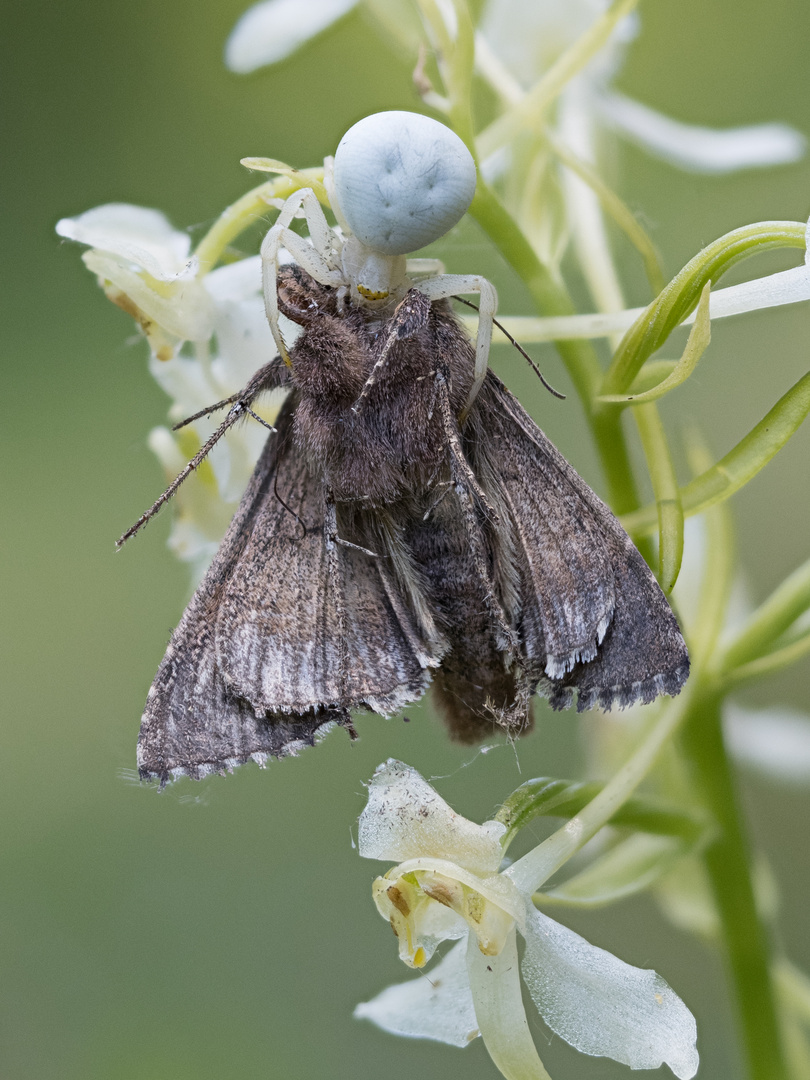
(739, 465)
(726, 858)
(252, 206)
(667, 493)
(546, 797)
(771, 619)
(534, 868)
(726, 861)
(579, 357)
(528, 114)
(678, 299)
(460, 75)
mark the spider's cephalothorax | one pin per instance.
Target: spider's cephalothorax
(398, 181)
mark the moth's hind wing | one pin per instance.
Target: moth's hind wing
(192, 724)
(567, 589)
(585, 582)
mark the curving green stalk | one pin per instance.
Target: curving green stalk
(728, 864)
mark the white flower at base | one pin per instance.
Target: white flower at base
(447, 888)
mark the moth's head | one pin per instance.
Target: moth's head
(301, 298)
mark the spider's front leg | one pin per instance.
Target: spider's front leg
(316, 255)
(447, 285)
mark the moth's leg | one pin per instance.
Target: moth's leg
(447, 485)
(440, 288)
(410, 316)
(316, 255)
(469, 493)
(333, 536)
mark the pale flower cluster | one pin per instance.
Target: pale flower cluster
(207, 335)
(206, 327)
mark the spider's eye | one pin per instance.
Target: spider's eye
(402, 180)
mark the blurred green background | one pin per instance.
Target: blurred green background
(225, 929)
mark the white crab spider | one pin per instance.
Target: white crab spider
(398, 181)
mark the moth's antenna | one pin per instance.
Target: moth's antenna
(288, 508)
(199, 457)
(519, 348)
(240, 405)
(207, 411)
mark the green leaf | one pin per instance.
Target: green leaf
(652, 328)
(628, 867)
(666, 491)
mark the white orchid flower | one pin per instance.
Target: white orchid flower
(144, 267)
(448, 885)
(207, 335)
(528, 36)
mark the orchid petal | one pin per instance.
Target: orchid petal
(701, 149)
(136, 234)
(185, 311)
(602, 1006)
(499, 1011)
(405, 818)
(273, 30)
(436, 1006)
(244, 340)
(773, 290)
(774, 741)
(498, 889)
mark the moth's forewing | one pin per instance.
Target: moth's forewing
(592, 614)
(192, 723)
(254, 668)
(293, 631)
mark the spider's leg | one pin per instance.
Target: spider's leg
(440, 288)
(424, 268)
(316, 257)
(411, 316)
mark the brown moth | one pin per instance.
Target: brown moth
(387, 543)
